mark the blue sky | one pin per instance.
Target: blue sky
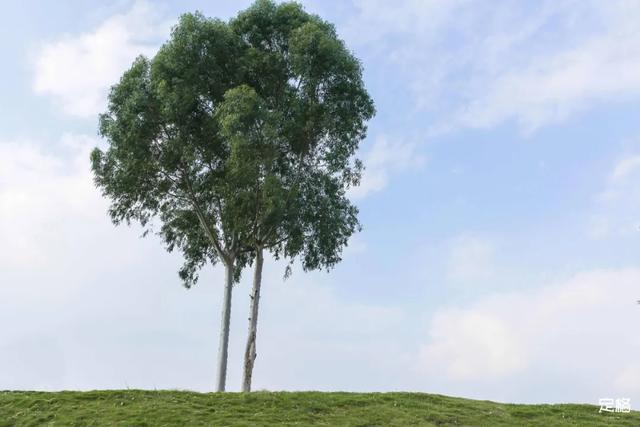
(501, 212)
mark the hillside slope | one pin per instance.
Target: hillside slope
(169, 408)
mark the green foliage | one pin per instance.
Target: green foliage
(238, 134)
(179, 408)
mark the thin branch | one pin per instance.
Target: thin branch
(210, 232)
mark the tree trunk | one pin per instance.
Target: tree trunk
(223, 349)
(250, 350)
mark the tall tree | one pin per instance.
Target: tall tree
(239, 138)
(310, 107)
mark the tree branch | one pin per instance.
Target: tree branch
(207, 228)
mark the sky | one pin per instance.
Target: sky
(500, 209)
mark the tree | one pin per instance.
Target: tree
(306, 105)
(239, 138)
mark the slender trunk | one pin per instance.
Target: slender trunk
(223, 349)
(250, 349)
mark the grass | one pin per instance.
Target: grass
(181, 408)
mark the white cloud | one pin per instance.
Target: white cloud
(478, 64)
(78, 70)
(424, 17)
(616, 211)
(470, 259)
(472, 345)
(550, 88)
(384, 158)
(39, 192)
(625, 168)
(628, 380)
(573, 331)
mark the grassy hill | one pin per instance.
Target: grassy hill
(179, 408)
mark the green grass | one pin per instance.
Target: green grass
(179, 408)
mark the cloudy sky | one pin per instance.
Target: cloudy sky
(501, 210)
